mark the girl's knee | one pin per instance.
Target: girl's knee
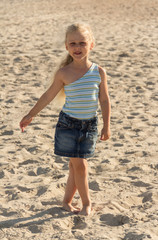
(79, 165)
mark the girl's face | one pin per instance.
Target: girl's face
(78, 45)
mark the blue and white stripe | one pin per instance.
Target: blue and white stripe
(82, 95)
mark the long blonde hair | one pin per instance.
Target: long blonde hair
(83, 28)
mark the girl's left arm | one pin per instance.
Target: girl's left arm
(105, 105)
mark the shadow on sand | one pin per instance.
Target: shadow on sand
(39, 218)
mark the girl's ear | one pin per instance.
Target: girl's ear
(92, 45)
(66, 46)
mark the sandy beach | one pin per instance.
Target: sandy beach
(123, 174)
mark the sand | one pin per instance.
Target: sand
(124, 170)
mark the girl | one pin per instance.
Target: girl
(84, 83)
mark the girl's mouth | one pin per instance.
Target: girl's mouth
(77, 53)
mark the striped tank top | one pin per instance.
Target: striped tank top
(82, 95)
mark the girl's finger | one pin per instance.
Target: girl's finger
(104, 138)
(22, 127)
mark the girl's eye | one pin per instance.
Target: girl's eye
(82, 43)
(72, 44)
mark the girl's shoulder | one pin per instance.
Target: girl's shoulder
(102, 71)
(64, 70)
(64, 73)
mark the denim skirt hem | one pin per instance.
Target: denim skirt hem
(74, 155)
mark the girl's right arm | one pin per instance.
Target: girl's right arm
(44, 100)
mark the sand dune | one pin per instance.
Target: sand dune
(123, 173)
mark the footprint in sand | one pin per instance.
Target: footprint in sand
(29, 161)
(118, 145)
(32, 149)
(7, 133)
(154, 166)
(41, 170)
(12, 195)
(24, 189)
(41, 190)
(79, 223)
(35, 229)
(32, 173)
(147, 197)
(111, 220)
(135, 236)
(94, 185)
(2, 174)
(10, 101)
(7, 213)
(124, 161)
(140, 184)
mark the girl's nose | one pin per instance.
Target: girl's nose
(77, 45)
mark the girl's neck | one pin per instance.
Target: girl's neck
(81, 64)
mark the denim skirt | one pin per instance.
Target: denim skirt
(75, 137)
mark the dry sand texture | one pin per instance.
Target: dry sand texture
(123, 174)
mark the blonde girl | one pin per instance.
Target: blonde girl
(84, 83)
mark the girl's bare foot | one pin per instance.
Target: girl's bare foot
(68, 207)
(86, 210)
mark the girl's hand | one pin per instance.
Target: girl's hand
(25, 121)
(105, 134)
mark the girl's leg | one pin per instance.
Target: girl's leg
(80, 167)
(70, 191)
